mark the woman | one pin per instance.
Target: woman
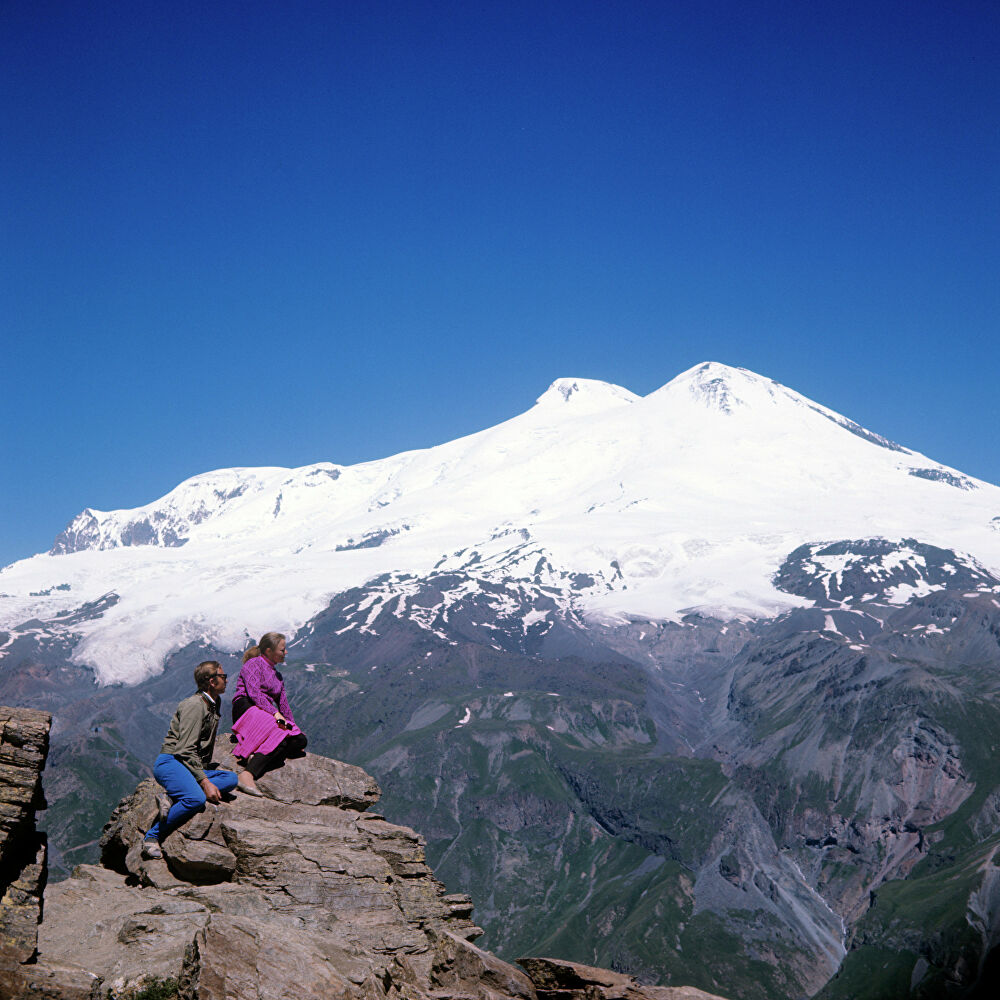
(261, 686)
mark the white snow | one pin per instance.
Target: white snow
(905, 592)
(532, 618)
(930, 629)
(685, 500)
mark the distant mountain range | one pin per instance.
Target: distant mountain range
(711, 673)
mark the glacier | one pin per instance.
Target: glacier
(624, 506)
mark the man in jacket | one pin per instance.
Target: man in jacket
(184, 765)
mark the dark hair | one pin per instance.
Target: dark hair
(204, 672)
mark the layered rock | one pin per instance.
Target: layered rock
(555, 979)
(299, 893)
(24, 744)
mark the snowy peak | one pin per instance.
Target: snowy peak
(766, 407)
(721, 388)
(584, 395)
(612, 505)
(584, 438)
(166, 522)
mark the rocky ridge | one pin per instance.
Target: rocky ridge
(24, 744)
(301, 893)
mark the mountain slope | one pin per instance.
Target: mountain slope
(687, 499)
(712, 672)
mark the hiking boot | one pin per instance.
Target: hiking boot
(151, 849)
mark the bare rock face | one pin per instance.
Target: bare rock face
(24, 744)
(555, 979)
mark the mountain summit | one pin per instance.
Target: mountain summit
(585, 395)
(690, 498)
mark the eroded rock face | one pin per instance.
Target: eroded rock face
(24, 744)
(555, 979)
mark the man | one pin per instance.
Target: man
(183, 767)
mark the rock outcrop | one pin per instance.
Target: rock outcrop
(555, 979)
(24, 744)
(302, 893)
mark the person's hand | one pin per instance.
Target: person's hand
(211, 792)
(281, 720)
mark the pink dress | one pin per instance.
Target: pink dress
(258, 731)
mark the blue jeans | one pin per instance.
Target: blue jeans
(185, 792)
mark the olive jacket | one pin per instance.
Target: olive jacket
(191, 738)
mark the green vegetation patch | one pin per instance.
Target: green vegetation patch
(153, 988)
(924, 914)
(871, 973)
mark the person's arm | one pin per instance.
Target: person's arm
(283, 707)
(189, 719)
(212, 794)
(252, 675)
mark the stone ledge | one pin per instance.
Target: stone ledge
(558, 979)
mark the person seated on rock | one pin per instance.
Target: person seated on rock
(260, 685)
(184, 765)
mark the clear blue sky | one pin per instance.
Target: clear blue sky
(259, 233)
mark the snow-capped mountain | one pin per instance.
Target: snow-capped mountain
(692, 497)
(729, 656)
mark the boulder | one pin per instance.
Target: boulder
(556, 979)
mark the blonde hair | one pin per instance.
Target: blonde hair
(268, 641)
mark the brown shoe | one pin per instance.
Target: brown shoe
(151, 850)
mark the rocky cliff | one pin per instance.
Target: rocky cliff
(303, 893)
(24, 745)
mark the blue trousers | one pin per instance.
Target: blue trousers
(185, 792)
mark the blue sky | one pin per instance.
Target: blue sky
(248, 233)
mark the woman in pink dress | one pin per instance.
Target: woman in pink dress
(261, 686)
